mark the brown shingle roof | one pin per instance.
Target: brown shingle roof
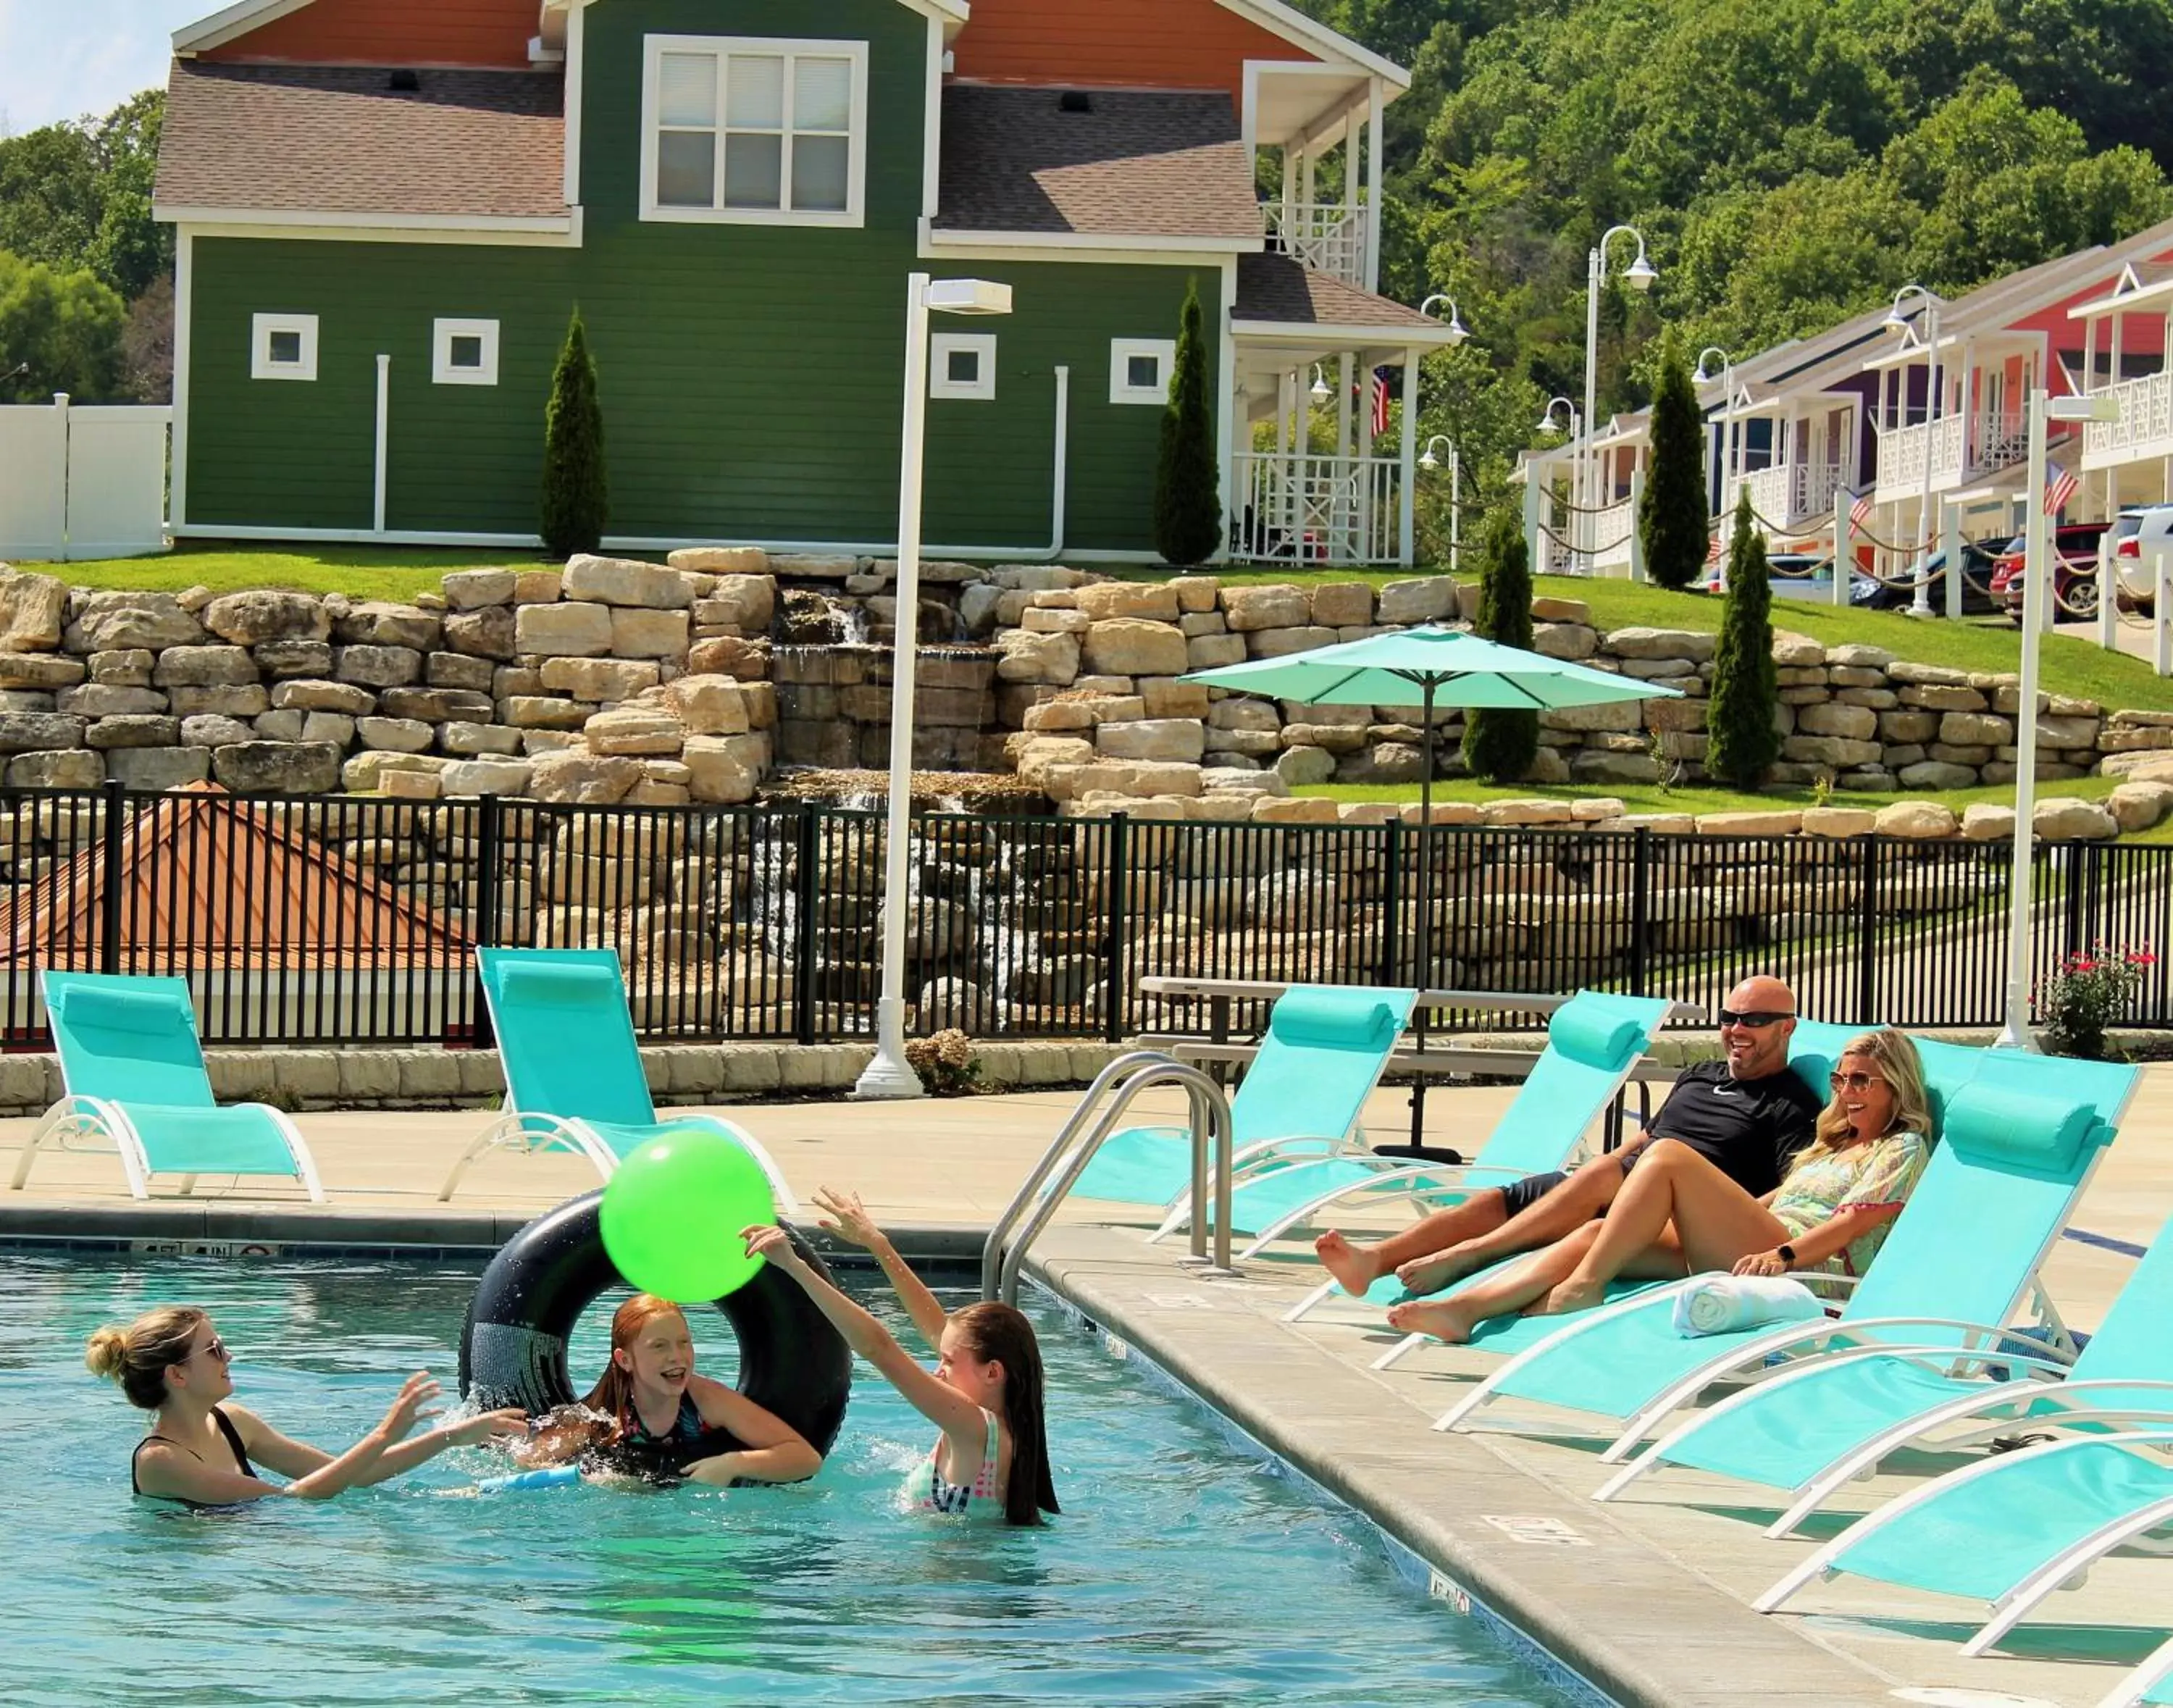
(340, 140)
(1137, 164)
(1277, 290)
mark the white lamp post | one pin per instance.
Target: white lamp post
(1458, 332)
(2036, 589)
(1920, 600)
(889, 1075)
(1546, 424)
(1641, 274)
(1429, 462)
(1727, 458)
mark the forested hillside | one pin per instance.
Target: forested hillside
(1791, 161)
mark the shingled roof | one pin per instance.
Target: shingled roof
(341, 140)
(1275, 290)
(1104, 163)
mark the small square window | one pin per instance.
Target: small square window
(963, 365)
(464, 352)
(1140, 369)
(282, 346)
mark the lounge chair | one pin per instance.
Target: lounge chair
(1325, 1046)
(1594, 1041)
(1813, 1431)
(2021, 1141)
(574, 1079)
(2150, 1684)
(134, 1076)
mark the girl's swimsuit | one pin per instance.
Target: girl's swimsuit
(926, 1491)
(658, 1458)
(225, 1428)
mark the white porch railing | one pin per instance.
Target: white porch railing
(1613, 531)
(1328, 237)
(2144, 427)
(1316, 509)
(1791, 493)
(2001, 440)
(1902, 451)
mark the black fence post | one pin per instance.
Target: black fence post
(1641, 904)
(1115, 995)
(806, 890)
(2082, 900)
(109, 895)
(482, 924)
(1392, 902)
(1867, 976)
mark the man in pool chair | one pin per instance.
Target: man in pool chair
(1747, 1114)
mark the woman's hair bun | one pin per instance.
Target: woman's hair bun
(106, 1351)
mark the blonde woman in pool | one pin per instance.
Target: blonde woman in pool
(171, 1362)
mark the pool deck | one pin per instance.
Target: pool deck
(1647, 1598)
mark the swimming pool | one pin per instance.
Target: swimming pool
(1181, 1572)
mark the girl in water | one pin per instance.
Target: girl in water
(650, 1413)
(985, 1395)
(171, 1362)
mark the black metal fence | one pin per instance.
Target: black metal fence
(330, 919)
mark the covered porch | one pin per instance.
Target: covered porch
(2126, 334)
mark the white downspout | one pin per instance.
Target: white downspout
(1054, 549)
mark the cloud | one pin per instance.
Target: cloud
(62, 61)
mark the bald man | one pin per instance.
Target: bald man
(1747, 1114)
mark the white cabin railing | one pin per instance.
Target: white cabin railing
(1328, 237)
(2145, 424)
(1613, 534)
(1902, 451)
(1789, 494)
(1330, 510)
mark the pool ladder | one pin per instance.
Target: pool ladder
(1073, 1148)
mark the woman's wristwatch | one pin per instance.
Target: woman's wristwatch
(1787, 1253)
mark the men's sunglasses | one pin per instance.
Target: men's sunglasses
(1755, 1018)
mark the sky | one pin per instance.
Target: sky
(60, 59)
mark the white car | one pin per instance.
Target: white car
(2140, 538)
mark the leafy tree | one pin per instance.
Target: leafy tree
(1187, 500)
(1671, 517)
(78, 196)
(576, 492)
(1742, 739)
(59, 331)
(147, 345)
(1499, 745)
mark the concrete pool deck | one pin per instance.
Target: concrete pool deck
(1648, 1598)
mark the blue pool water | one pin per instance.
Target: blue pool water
(1183, 1571)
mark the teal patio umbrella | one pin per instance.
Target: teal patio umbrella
(1447, 667)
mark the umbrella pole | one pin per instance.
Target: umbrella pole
(1425, 905)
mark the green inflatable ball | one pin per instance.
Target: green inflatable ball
(672, 1213)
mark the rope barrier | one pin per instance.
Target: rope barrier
(1592, 551)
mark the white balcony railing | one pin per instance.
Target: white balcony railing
(1328, 237)
(2000, 441)
(1613, 531)
(1791, 493)
(2145, 424)
(1902, 451)
(1330, 510)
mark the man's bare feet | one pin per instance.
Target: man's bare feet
(1430, 1274)
(1572, 1295)
(1354, 1269)
(1450, 1320)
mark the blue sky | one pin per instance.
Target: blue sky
(60, 59)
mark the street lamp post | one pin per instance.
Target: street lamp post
(1920, 600)
(1641, 274)
(2036, 589)
(889, 1074)
(1727, 418)
(1429, 462)
(1456, 331)
(1546, 423)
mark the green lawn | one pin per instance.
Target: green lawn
(361, 572)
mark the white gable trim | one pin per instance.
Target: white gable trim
(1278, 19)
(238, 19)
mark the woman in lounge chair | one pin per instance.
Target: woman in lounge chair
(992, 1460)
(1677, 1214)
(650, 1415)
(171, 1361)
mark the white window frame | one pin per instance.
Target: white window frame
(442, 371)
(1121, 353)
(854, 214)
(261, 330)
(940, 346)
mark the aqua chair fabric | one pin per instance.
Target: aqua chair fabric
(1323, 1054)
(132, 1042)
(566, 1040)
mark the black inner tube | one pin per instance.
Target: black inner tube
(513, 1345)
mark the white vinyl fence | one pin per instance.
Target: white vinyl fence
(79, 480)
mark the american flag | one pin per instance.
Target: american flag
(1712, 548)
(1859, 513)
(2059, 487)
(1380, 401)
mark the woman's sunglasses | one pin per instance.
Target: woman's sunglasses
(1854, 1082)
(218, 1349)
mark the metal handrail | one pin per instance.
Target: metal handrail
(1137, 1069)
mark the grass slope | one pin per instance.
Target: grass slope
(361, 572)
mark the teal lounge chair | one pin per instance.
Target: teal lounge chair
(134, 1076)
(1325, 1046)
(574, 1079)
(1813, 1431)
(2021, 1140)
(2010, 1530)
(1594, 1041)
(2150, 1684)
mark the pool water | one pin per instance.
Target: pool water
(1182, 1572)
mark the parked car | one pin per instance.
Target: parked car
(1979, 560)
(1794, 575)
(2075, 571)
(2140, 538)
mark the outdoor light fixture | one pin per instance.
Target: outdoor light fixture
(1546, 422)
(889, 1074)
(1584, 482)
(1458, 332)
(1920, 600)
(1429, 462)
(1727, 448)
(1321, 392)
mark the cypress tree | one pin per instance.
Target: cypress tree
(1742, 739)
(1188, 499)
(1499, 745)
(576, 495)
(1671, 517)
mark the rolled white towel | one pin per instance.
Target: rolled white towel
(1721, 1304)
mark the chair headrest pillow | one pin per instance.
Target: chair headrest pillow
(125, 1010)
(1587, 1029)
(1346, 1019)
(560, 983)
(2006, 1124)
